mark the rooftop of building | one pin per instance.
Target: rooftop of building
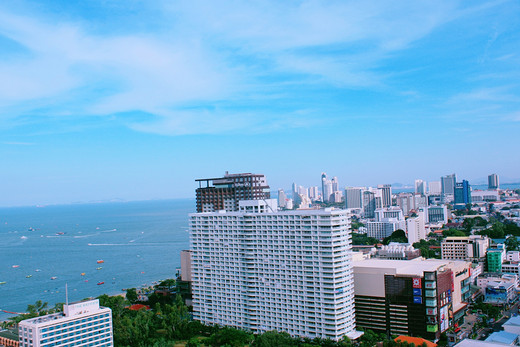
(417, 341)
(477, 343)
(9, 334)
(513, 321)
(414, 267)
(304, 212)
(503, 337)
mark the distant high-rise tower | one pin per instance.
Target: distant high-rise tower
(335, 184)
(369, 204)
(281, 198)
(420, 187)
(224, 193)
(313, 193)
(386, 194)
(493, 182)
(324, 181)
(448, 185)
(462, 193)
(353, 197)
(434, 188)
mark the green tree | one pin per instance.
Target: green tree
(511, 243)
(229, 337)
(453, 232)
(397, 236)
(274, 339)
(131, 295)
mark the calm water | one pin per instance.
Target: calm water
(140, 242)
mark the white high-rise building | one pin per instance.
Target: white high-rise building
(386, 194)
(415, 228)
(384, 227)
(314, 193)
(335, 184)
(303, 191)
(327, 193)
(434, 188)
(281, 198)
(405, 201)
(354, 197)
(80, 324)
(261, 269)
(420, 187)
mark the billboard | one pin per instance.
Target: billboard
(443, 318)
(416, 282)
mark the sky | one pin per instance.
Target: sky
(134, 100)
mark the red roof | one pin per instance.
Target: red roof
(138, 307)
(415, 340)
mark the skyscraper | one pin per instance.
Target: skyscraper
(281, 198)
(224, 193)
(323, 182)
(462, 193)
(420, 187)
(335, 184)
(369, 204)
(82, 323)
(353, 197)
(448, 185)
(434, 188)
(493, 182)
(386, 194)
(261, 269)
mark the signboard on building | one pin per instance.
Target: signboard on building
(416, 283)
(444, 319)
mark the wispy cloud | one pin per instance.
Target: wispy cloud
(13, 143)
(189, 74)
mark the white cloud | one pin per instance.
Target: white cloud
(207, 53)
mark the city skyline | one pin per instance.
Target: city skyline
(133, 101)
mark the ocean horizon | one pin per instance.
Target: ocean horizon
(96, 248)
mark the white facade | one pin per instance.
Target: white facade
(437, 214)
(415, 229)
(354, 197)
(281, 198)
(384, 228)
(287, 271)
(469, 248)
(80, 324)
(420, 187)
(513, 256)
(389, 212)
(434, 188)
(484, 195)
(313, 193)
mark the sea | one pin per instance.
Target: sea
(95, 249)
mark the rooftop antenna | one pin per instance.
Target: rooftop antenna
(66, 294)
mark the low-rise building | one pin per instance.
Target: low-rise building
(513, 256)
(498, 289)
(398, 251)
(419, 297)
(512, 325)
(384, 228)
(82, 323)
(467, 248)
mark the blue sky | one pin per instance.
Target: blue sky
(135, 99)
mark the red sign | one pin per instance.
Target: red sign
(416, 283)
